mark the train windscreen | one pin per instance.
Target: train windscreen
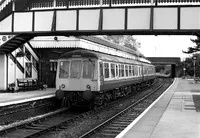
(75, 70)
(64, 69)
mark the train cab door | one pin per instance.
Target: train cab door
(101, 76)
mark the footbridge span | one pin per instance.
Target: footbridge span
(25, 19)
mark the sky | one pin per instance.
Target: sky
(165, 45)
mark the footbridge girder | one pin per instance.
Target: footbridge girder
(29, 18)
(140, 20)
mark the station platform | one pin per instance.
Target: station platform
(26, 96)
(176, 114)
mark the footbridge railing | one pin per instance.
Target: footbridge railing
(7, 6)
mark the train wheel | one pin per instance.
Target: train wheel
(92, 105)
(114, 95)
(99, 100)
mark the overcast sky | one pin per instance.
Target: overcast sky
(165, 45)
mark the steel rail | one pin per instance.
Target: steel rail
(58, 126)
(97, 128)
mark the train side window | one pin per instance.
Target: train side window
(139, 71)
(130, 71)
(133, 70)
(106, 70)
(122, 70)
(116, 70)
(75, 68)
(88, 69)
(136, 71)
(112, 70)
(64, 69)
(126, 70)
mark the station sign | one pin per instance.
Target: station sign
(5, 38)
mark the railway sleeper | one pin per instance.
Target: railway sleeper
(123, 122)
(109, 131)
(115, 124)
(114, 128)
(103, 135)
(126, 119)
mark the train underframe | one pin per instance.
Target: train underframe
(95, 99)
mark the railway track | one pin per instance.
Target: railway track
(57, 122)
(117, 123)
(38, 126)
(21, 111)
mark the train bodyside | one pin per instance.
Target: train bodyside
(86, 73)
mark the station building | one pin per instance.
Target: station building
(37, 59)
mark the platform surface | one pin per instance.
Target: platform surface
(20, 97)
(175, 115)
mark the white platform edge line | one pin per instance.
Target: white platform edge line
(27, 100)
(120, 135)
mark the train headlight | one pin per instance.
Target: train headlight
(88, 87)
(63, 86)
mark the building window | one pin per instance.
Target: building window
(53, 66)
(106, 70)
(28, 70)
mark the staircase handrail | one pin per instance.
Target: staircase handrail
(3, 3)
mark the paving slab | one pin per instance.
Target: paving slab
(175, 115)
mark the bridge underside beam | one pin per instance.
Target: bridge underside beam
(146, 20)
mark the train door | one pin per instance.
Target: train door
(101, 76)
(142, 72)
(52, 74)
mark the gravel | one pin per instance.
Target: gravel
(82, 125)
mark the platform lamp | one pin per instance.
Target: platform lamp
(184, 69)
(194, 61)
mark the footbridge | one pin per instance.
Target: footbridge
(25, 19)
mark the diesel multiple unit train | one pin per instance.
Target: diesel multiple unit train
(85, 75)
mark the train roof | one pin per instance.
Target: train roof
(105, 42)
(90, 43)
(101, 56)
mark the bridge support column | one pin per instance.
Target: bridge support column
(173, 70)
(3, 72)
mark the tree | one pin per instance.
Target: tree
(126, 40)
(195, 48)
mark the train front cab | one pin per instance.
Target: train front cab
(76, 78)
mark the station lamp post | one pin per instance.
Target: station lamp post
(184, 69)
(194, 61)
